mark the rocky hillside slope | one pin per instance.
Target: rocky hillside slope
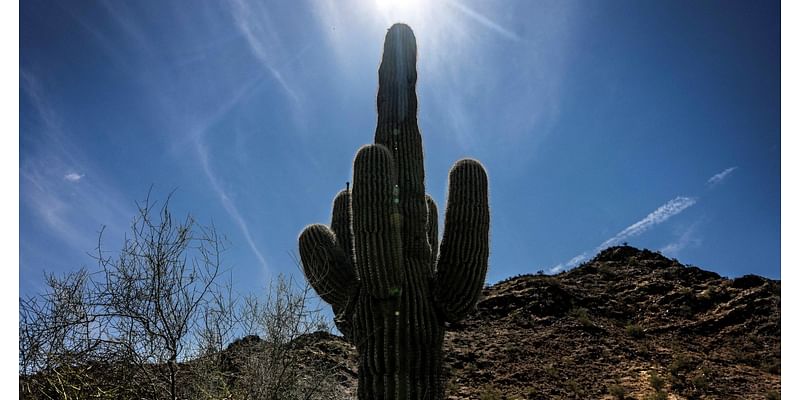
(628, 324)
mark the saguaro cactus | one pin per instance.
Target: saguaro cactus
(392, 288)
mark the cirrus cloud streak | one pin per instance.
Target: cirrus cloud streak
(660, 215)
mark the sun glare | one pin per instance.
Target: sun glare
(401, 9)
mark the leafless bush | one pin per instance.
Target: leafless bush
(277, 365)
(138, 311)
(155, 322)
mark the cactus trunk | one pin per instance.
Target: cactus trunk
(380, 266)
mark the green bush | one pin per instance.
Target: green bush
(656, 381)
(634, 331)
(680, 364)
(489, 392)
(659, 396)
(700, 382)
(582, 316)
(617, 391)
(773, 395)
(574, 387)
(773, 367)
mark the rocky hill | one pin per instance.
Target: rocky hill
(628, 324)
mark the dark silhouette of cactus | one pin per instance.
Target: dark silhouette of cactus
(377, 264)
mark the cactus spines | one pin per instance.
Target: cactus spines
(391, 285)
(465, 244)
(376, 222)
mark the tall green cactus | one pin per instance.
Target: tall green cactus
(377, 264)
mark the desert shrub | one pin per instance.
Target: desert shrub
(773, 395)
(581, 315)
(680, 364)
(617, 391)
(156, 322)
(656, 381)
(470, 368)
(773, 367)
(575, 388)
(551, 371)
(137, 313)
(273, 366)
(489, 392)
(700, 382)
(452, 387)
(658, 396)
(634, 331)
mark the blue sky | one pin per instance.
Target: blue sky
(652, 123)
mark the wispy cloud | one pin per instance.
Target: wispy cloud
(660, 215)
(71, 214)
(124, 19)
(73, 177)
(687, 238)
(254, 21)
(185, 112)
(718, 178)
(570, 264)
(483, 20)
(196, 135)
(228, 203)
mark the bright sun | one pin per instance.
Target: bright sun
(401, 9)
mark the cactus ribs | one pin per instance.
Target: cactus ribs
(379, 266)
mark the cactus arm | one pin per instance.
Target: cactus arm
(464, 252)
(376, 222)
(397, 130)
(342, 223)
(433, 229)
(326, 266)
